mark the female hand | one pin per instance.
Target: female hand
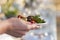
(19, 27)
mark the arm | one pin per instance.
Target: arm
(4, 26)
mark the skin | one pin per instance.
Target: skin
(16, 27)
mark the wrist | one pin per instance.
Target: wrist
(8, 25)
(4, 26)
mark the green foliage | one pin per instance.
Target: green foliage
(9, 13)
(38, 19)
(6, 9)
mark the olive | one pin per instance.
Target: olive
(19, 16)
(29, 18)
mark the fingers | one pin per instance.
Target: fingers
(28, 27)
(21, 32)
(33, 26)
(16, 33)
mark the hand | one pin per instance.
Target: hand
(19, 27)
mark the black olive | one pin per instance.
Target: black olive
(29, 18)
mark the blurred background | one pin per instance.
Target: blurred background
(5, 4)
(57, 3)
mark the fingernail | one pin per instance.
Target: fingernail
(38, 26)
